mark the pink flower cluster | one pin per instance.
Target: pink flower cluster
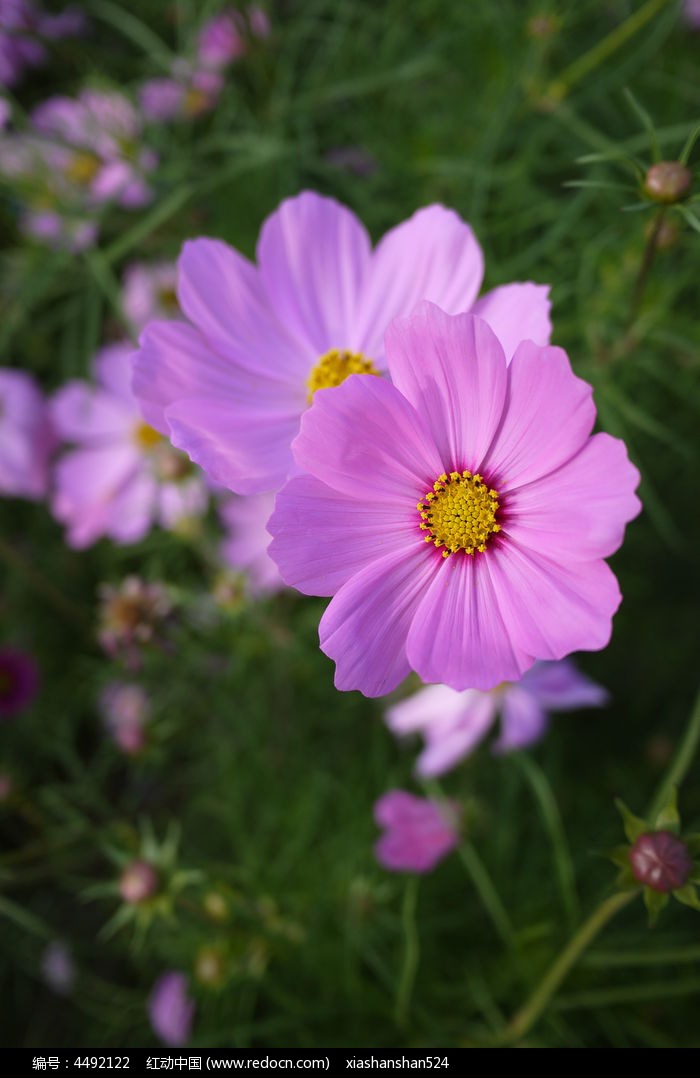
(23, 29)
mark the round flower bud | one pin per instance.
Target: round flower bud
(138, 882)
(660, 861)
(667, 182)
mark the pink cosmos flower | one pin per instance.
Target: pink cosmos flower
(418, 833)
(122, 477)
(126, 710)
(170, 1009)
(221, 40)
(26, 436)
(22, 25)
(691, 13)
(246, 546)
(230, 385)
(149, 293)
(453, 723)
(460, 516)
(19, 681)
(188, 94)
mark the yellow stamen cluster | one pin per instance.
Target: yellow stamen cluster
(335, 366)
(459, 513)
(146, 437)
(83, 168)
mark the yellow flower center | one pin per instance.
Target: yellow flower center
(83, 168)
(335, 366)
(146, 437)
(459, 513)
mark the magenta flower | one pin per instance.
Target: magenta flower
(230, 386)
(170, 1009)
(122, 477)
(188, 94)
(460, 516)
(149, 293)
(246, 545)
(453, 723)
(26, 436)
(660, 860)
(691, 13)
(418, 833)
(126, 710)
(221, 40)
(19, 681)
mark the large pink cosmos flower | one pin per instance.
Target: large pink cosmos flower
(121, 477)
(230, 387)
(26, 436)
(460, 516)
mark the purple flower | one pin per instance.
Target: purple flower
(22, 25)
(453, 723)
(170, 1009)
(122, 477)
(58, 968)
(460, 516)
(245, 547)
(189, 94)
(19, 681)
(149, 293)
(691, 13)
(221, 40)
(26, 436)
(418, 833)
(230, 386)
(126, 710)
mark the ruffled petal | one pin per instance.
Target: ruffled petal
(453, 724)
(246, 449)
(132, 512)
(552, 609)
(434, 255)
(322, 537)
(460, 634)
(365, 626)
(313, 255)
(548, 417)
(517, 312)
(453, 371)
(366, 441)
(578, 512)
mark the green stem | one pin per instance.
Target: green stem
(604, 49)
(525, 1018)
(490, 899)
(647, 260)
(411, 954)
(682, 761)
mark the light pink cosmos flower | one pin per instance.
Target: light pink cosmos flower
(26, 436)
(170, 1009)
(418, 833)
(149, 293)
(453, 723)
(221, 40)
(127, 711)
(122, 477)
(460, 516)
(230, 385)
(188, 94)
(246, 545)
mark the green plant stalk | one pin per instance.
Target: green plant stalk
(646, 264)
(411, 954)
(681, 762)
(484, 886)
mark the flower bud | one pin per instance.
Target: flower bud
(660, 860)
(667, 182)
(138, 882)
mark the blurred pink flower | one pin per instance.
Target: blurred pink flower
(58, 968)
(170, 1010)
(26, 436)
(230, 385)
(691, 13)
(122, 477)
(149, 292)
(453, 723)
(187, 95)
(417, 833)
(221, 40)
(138, 882)
(22, 26)
(19, 681)
(126, 710)
(245, 547)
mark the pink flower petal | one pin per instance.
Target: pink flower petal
(365, 626)
(517, 312)
(453, 371)
(523, 720)
(578, 512)
(549, 415)
(350, 536)
(313, 255)
(459, 635)
(552, 608)
(366, 441)
(434, 255)
(561, 687)
(82, 412)
(87, 481)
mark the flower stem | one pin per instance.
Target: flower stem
(490, 899)
(411, 952)
(682, 761)
(647, 260)
(525, 1018)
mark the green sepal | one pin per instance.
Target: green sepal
(654, 902)
(634, 826)
(692, 841)
(667, 818)
(625, 880)
(688, 896)
(619, 855)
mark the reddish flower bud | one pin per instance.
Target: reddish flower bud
(660, 860)
(667, 181)
(138, 882)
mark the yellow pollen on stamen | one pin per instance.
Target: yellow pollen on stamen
(334, 367)
(83, 168)
(146, 437)
(459, 513)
